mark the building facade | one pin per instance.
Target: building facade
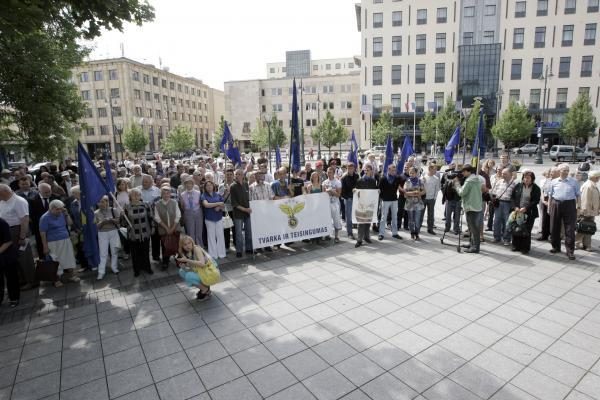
(121, 92)
(423, 52)
(249, 102)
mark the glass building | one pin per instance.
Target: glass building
(478, 74)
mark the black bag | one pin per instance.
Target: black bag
(519, 231)
(46, 270)
(495, 202)
(586, 227)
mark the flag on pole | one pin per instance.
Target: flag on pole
(277, 157)
(353, 153)
(110, 183)
(452, 143)
(228, 146)
(295, 134)
(389, 155)
(407, 151)
(92, 188)
(479, 145)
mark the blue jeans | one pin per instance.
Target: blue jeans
(500, 218)
(243, 230)
(414, 220)
(453, 215)
(348, 211)
(385, 207)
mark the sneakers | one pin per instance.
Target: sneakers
(471, 251)
(351, 237)
(358, 244)
(554, 251)
(203, 296)
(431, 232)
(396, 236)
(380, 237)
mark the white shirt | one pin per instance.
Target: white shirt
(13, 210)
(332, 184)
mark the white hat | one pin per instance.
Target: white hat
(594, 174)
(65, 173)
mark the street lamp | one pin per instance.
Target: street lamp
(499, 94)
(540, 132)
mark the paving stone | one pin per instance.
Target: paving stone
(558, 369)
(272, 379)
(477, 380)
(95, 390)
(44, 334)
(410, 342)
(449, 390)
(540, 385)
(268, 330)
(416, 375)
(254, 358)
(36, 388)
(195, 337)
(186, 322)
(124, 360)
(239, 341)
(387, 387)
(285, 346)
(180, 387)
(386, 355)
(80, 324)
(328, 385)
(356, 395)
(226, 326)
(78, 354)
(82, 373)
(161, 347)
(169, 366)
(7, 375)
(443, 361)
(296, 392)
(305, 364)
(115, 344)
(497, 364)
(129, 380)
(359, 369)
(147, 393)
(361, 339)
(116, 328)
(510, 392)
(239, 389)
(206, 353)
(155, 332)
(219, 372)
(78, 340)
(38, 366)
(567, 352)
(590, 385)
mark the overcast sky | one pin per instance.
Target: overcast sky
(224, 40)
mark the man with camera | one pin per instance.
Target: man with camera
(451, 199)
(472, 202)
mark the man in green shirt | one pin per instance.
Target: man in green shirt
(470, 194)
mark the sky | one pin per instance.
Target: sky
(226, 40)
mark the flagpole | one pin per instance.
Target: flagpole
(302, 120)
(414, 126)
(465, 140)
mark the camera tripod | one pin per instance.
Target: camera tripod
(458, 246)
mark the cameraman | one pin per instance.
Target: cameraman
(451, 198)
(470, 193)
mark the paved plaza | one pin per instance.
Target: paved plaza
(390, 320)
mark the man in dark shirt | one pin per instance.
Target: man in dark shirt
(348, 185)
(388, 193)
(297, 184)
(8, 265)
(240, 202)
(366, 182)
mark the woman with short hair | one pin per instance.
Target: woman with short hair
(139, 231)
(525, 198)
(213, 213)
(414, 191)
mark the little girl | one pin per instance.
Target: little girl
(191, 258)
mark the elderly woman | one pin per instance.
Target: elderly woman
(525, 199)
(139, 232)
(56, 243)
(107, 221)
(214, 204)
(167, 216)
(193, 217)
(414, 191)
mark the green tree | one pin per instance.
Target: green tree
(179, 140)
(441, 127)
(514, 125)
(579, 123)
(384, 127)
(473, 121)
(260, 134)
(134, 139)
(218, 135)
(40, 43)
(329, 132)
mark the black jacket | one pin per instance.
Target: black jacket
(389, 191)
(534, 200)
(348, 183)
(240, 196)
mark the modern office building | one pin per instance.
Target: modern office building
(120, 92)
(423, 52)
(323, 85)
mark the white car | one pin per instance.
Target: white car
(529, 148)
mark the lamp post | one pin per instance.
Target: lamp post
(318, 124)
(499, 94)
(540, 132)
(302, 120)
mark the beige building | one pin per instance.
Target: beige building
(120, 92)
(248, 102)
(422, 52)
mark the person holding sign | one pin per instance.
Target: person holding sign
(333, 187)
(366, 182)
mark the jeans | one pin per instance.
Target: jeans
(500, 218)
(348, 209)
(386, 206)
(414, 220)
(473, 223)
(430, 207)
(243, 233)
(453, 215)
(402, 213)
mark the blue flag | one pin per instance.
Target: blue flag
(277, 157)
(389, 155)
(479, 145)
(353, 153)
(407, 151)
(295, 135)
(228, 146)
(451, 145)
(110, 183)
(92, 189)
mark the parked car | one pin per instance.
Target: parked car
(565, 153)
(529, 148)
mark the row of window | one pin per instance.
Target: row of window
(535, 97)
(542, 7)
(101, 112)
(378, 19)
(315, 67)
(104, 130)
(327, 105)
(344, 88)
(137, 94)
(396, 74)
(398, 106)
(313, 122)
(564, 67)
(421, 43)
(589, 38)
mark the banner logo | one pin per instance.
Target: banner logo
(291, 209)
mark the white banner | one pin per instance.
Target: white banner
(364, 206)
(290, 220)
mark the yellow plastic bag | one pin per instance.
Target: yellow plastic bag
(209, 274)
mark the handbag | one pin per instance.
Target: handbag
(227, 221)
(170, 243)
(209, 273)
(46, 270)
(586, 227)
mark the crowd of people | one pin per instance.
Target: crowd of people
(40, 213)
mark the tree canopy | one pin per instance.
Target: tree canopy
(383, 127)
(579, 123)
(218, 135)
(439, 128)
(260, 134)
(329, 132)
(473, 121)
(179, 140)
(514, 126)
(134, 139)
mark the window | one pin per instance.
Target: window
(570, 6)
(338, 66)
(377, 1)
(564, 69)
(346, 105)
(165, 99)
(586, 66)
(328, 89)
(277, 107)
(104, 129)
(421, 46)
(100, 94)
(442, 15)
(396, 103)
(470, 11)
(89, 113)
(180, 102)
(468, 38)
(537, 68)
(84, 77)
(440, 72)
(540, 37)
(89, 132)
(490, 10)
(102, 112)
(137, 94)
(422, 16)
(116, 111)
(135, 75)
(440, 42)
(420, 102)
(193, 91)
(147, 96)
(515, 69)
(438, 98)
(186, 89)
(567, 36)
(593, 6)
(146, 79)
(158, 114)
(420, 73)
(171, 85)
(173, 101)
(396, 45)
(164, 83)
(514, 95)
(113, 75)
(175, 116)
(518, 38)
(561, 97)
(534, 98)
(488, 37)
(156, 97)
(155, 80)
(179, 87)
(327, 67)
(396, 74)
(397, 18)
(376, 104)
(520, 9)
(98, 76)
(350, 65)
(377, 75)
(377, 20)
(85, 95)
(276, 91)
(585, 91)
(542, 8)
(377, 46)
(590, 34)
(138, 112)
(271, 70)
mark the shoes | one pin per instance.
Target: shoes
(472, 251)
(150, 272)
(431, 232)
(203, 296)
(116, 272)
(396, 236)
(358, 244)
(368, 241)
(336, 240)
(58, 284)
(351, 236)
(571, 257)
(417, 237)
(514, 249)
(249, 252)
(466, 246)
(380, 237)
(554, 251)
(489, 230)
(482, 240)
(506, 243)
(412, 236)
(238, 255)
(327, 238)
